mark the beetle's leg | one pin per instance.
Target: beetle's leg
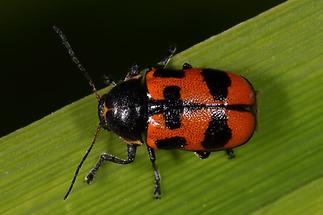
(230, 153)
(202, 155)
(107, 157)
(187, 66)
(108, 81)
(171, 52)
(133, 71)
(152, 157)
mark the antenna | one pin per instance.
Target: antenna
(81, 163)
(76, 60)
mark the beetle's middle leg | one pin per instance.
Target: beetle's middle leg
(152, 157)
(165, 61)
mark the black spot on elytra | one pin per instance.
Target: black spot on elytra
(217, 82)
(173, 107)
(218, 133)
(171, 143)
(168, 73)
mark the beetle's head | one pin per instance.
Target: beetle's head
(102, 112)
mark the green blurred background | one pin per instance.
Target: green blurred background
(37, 76)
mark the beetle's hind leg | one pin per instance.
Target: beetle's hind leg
(230, 153)
(107, 157)
(187, 66)
(202, 155)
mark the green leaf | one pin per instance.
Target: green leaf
(278, 172)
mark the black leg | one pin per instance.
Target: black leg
(108, 81)
(186, 66)
(202, 155)
(171, 52)
(133, 71)
(152, 157)
(107, 157)
(230, 153)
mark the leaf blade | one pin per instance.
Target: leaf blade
(280, 52)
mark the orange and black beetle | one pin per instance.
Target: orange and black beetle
(199, 110)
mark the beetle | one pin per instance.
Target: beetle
(192, 109)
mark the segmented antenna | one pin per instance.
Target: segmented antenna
(82, 161)
(76, 60)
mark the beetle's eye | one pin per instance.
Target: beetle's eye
(107, 127)
(104, 125)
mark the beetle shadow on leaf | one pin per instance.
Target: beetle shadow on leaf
(272, 101)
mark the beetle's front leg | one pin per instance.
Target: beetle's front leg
(132, 148)
(133, 72)
(108, 81)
